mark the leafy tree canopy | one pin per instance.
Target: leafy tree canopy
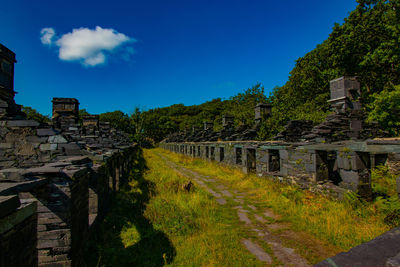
(33, 114)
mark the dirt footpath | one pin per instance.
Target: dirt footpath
(268, 231)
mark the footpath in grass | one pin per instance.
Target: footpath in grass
(226, 218)
(340, 224)
(155, 221)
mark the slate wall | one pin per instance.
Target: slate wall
(18, 236)
(345, 166)
(71, 196)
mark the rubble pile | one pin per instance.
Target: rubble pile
(295, 130)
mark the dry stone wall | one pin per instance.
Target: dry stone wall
(70, 195)
(56, 179)
(18, 238)
(337, 167)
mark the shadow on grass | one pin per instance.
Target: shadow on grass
(153, 248)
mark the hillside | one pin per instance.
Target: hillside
(365, 45)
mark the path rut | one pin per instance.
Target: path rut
(262, 222)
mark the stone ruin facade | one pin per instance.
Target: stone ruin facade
(331, 158)
(65, 112)
(337, 154)
(55, 179)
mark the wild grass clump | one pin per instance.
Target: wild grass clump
(344, 224)
(383, 181)
(386, 200)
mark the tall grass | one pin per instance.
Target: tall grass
(344, 224)
(155, 222)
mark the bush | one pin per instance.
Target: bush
(385, 109)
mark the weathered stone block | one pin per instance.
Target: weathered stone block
(23, 123)
(344, 162)
(18, 237)
(46, 132)
(356, 125)
(357, 163)
(283, 154)
(350, 177)
(36, 139)
(70, 149)
(48, 147)
(57, 139)
(12, 174)
(8, 204)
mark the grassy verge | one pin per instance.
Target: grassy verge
(343, 224)
(155, 222)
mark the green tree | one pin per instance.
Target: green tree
(33, 114)
(385, 109)
(243, 104)
(118, 120)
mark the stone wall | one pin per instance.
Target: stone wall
(18, 238)
(67, 170)
(336, 167)
(71, 195)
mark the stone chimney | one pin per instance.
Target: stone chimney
(227, 121)
(208, 125)
(7, 93)
(262, 111)
(90, 120)
(345, 94)
(65, 112)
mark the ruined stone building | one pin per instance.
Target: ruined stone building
(55, 180)
(331, 158)
(339, 152)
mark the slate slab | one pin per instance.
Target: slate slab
(257, 251)
(23, 123)
(376, 252)
(46, 132)
(8, 204)
(12, 174)
(57, 139)
(394, 261)
(44, 170)
(48, 147)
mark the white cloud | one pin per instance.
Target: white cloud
(46, 35)
(89, 47)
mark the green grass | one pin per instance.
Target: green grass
(154, 222)
(342, 224)
(386, 200)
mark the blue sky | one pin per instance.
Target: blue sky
(157, 53)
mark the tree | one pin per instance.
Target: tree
(243, 104)
(118, 120)
(385, 109)
(33, 114)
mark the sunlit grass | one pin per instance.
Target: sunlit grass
(344, 224)
(202, 232)
(155, 222)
